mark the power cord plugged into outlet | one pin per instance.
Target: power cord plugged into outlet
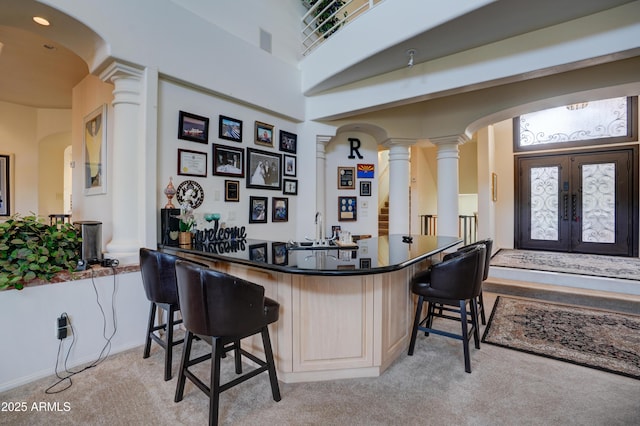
(62, 324)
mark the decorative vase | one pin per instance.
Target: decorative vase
(184, 239)
(170, 191)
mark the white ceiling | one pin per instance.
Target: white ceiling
(35, 75)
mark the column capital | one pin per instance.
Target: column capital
(323, 140)
(403, 142)
(119, 70)
(448, 140)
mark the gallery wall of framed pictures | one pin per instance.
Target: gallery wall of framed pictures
(266, 161)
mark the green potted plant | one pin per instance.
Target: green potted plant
(32, 249)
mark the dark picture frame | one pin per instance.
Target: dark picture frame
(230, 128)
(347, 209)
(232, 190)
(192, 127)
(365, 263)
(365, 188)
(5, 185)
(264, 169)
(264, 134)
(290, 165)
(192, 163)
(279, 209)
(279, 254)
(346, 177)
(258, 252)
(290, 187)
(227, 161)
(288, 142)
(258, 209)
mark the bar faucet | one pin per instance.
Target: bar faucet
(319, 227)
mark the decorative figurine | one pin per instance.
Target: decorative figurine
(170, 191)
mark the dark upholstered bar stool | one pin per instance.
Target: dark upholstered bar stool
(454, 282)
(488, 243)
(222, 310)
(159, 279)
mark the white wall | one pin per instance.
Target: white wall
(197, 52)
(89, 94)
(504, 168)
(30, 345)
(244, 19)
(174, 98)
(337, 153)
(18, 136)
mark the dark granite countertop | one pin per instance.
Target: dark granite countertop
(371, 256)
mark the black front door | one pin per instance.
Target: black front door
(578, 202)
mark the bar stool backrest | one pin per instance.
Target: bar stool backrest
(217, 304)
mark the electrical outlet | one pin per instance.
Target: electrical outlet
(61, 327)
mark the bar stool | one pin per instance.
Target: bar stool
(222, 310)
(488, 243)
(451, 284)
(159, 280)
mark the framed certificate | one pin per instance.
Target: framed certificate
(192, 163)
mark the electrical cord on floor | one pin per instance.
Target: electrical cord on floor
(104, 353)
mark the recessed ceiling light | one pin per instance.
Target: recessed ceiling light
(40, 20)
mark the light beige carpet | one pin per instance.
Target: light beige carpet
(430, 388)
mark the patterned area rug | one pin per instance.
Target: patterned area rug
(598, 339)
(582, 264)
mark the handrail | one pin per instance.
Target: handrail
(312, 37)
(467, 226)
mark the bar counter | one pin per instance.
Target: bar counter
(344, 312)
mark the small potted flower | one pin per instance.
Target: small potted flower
(187, 221)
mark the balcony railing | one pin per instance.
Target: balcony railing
(325, 17)
(467, 227)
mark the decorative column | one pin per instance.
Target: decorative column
(321, 167)
(126, 146)
(448, 183)
(399, 183)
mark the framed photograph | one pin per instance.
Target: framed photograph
(230, 129)
(288, 142)
(365, 188)
(279, 254)
(290, 167)
(258, 252)
(228, 161)
(264, 134)
(346, 178)
(347, 209)
(290, 187)
(335, 230)
(192, 163)
(95, 151)
(279, 209)
(365, 263)
(264, 169)
(232, 190)
(5, 185)
(193, 127)
(258, 209)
